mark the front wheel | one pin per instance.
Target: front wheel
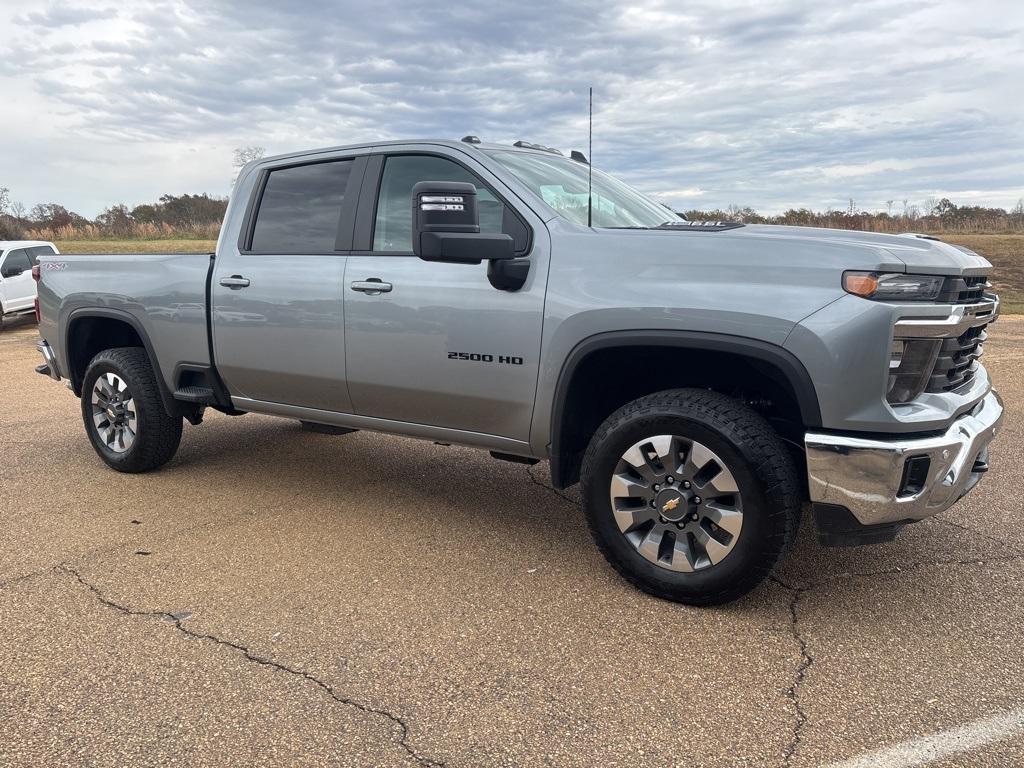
(123, 413)
(690, 495)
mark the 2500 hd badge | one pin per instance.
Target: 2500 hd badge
(482, 358)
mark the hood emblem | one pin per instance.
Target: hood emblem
(670, 505)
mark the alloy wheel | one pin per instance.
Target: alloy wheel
(677, 503)
(113, 413)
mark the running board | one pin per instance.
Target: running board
(201, 395)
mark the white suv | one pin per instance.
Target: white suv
(17, 288)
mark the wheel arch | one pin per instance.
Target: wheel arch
(93, 329)
(570, 433)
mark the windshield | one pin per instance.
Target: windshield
(562, 184)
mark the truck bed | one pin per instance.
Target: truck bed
(163, 296)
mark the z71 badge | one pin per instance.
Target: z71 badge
(483, 358)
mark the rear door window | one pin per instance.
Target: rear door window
(40, 250)
(300, 208)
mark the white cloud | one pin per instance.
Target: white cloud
(768, 105)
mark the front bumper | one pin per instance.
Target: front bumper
(871, 478)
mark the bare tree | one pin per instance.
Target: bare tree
(5, 200)
(888, 207)
(245, 155)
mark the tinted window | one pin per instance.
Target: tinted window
(16, 261)
(300, 208)
(393, 227)
(39, 250)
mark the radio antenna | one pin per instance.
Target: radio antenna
(590, 165)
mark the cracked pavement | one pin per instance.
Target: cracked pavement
(311, 599)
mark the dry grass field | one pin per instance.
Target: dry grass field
(1006, 252)
(136, 246)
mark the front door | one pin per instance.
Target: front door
(17, 288)
(277, 296)
(438, 344)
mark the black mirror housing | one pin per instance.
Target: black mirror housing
(465, 247)
(446, 225)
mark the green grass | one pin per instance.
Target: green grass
(135, 246)
(1006, 252)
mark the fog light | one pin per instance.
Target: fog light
(910, 366)
(915, 475)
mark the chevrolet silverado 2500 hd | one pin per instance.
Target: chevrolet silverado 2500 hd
(701, 381)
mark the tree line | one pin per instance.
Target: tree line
(935, 215)
(172, 216)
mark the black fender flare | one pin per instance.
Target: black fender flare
(792, 370)
(82, 313)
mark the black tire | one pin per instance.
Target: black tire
(756, 457)
(157, 433)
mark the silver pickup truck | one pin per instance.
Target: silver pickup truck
(701, 381)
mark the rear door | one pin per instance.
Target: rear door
(17, 287)
(440, 346)
(277, 293)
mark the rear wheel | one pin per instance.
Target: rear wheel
(123, 413)
(690, 495)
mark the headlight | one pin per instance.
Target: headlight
(910, 367)
(893, 287)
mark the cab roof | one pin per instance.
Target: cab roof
(450, 143)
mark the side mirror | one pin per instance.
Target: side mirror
(446, 225)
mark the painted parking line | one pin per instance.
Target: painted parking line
(955, 741)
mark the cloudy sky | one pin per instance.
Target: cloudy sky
(700, 104)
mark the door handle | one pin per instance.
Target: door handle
(235, 282)
(372, 286)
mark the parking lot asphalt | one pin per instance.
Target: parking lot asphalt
(275, 597)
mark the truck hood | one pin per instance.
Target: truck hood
(813, 247)
(921, 254)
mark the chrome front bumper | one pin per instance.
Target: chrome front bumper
(869, 477)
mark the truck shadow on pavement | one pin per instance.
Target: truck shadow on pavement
(460, 497)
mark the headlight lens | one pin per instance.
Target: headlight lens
(910, 366)
(893, 287)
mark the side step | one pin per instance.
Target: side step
(202, 395)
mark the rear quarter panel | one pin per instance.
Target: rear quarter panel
(164, 293)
